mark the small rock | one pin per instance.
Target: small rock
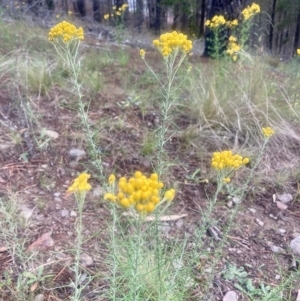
(64, 213)
(276, 249)
(75, 152)
(273, 216)
(56, 194)
(86, 259)
(97, 192)
(281, 205)
(56, 199)
(230, 296)
(39, 297)
(236, 200)
(179, 223)
(259, 222)
(51, 134)
(295, 245)
(26, 212)
(73, 214)
(281, 231)
(44, 166)
(229, 204)
(252, 210)
(277, 277)
(285, 198)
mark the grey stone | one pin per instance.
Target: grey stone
(75, 152)
(259, 222)
(86, 259)
(39, 297)
(295, 245)
(230, 296)
(73, 213)
(285, 198)
(252, 210)
(236, 200)
(276, 249)
(64, 213)
(229, 204)
(281, 231)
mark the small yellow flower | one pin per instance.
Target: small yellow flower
(69, 13)
(298, 51)
(118, 13)
(110, 197)
(142, 53)
(233, 23)
(111, 179)
(80, 184)
(114, 7)
(267, 132)
(189, 69)
(169, 195)
(106, 16)
(233, 48)
(57, 16)
(226, 180)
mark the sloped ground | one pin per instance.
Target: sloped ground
(37, 168)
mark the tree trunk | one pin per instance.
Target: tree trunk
(139, 15)
(158, 17)
(201, 18)
(152, 13)
(97, 11)
(272, 24)
(297, 33)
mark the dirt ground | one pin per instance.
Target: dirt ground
(38, 177)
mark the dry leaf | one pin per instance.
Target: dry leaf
(166, 218)
(42, 243)
(34, 287)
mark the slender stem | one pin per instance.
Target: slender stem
(137, 252)
(113, 241)
(80, 198)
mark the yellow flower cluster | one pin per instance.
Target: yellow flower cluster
(298, 51)
(65, 31)
(216, 21)
(118, 11)
(233, 47)
(80, 184)
(267, 132)
(170, 42)
(142, 53)
(232, 23)
(250, 11)
(139, 192)
(225, 159)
